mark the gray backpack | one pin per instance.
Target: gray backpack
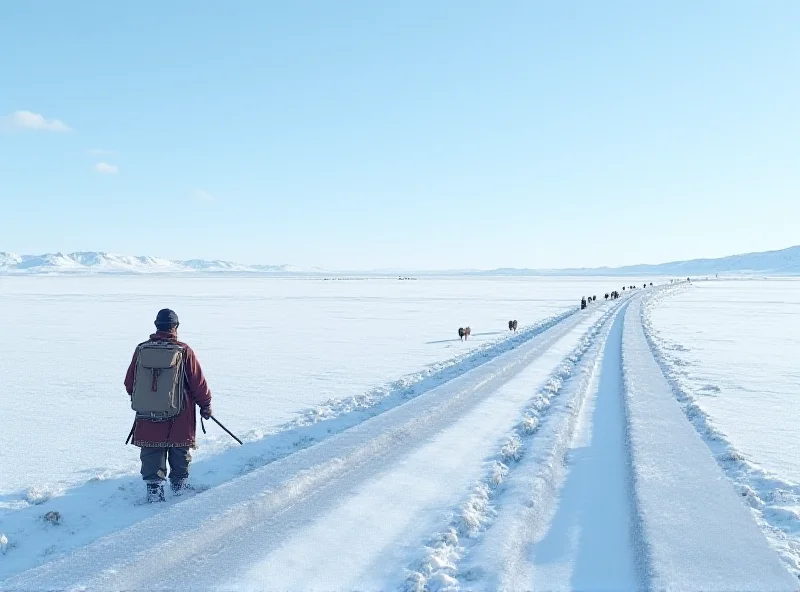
(158, 381)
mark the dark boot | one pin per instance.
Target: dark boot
(155, 491)
(180, 485)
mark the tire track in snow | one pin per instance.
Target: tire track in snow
(111, 499)
(260, 509)
(559, 525)
(316, 424)
(774, 503)
(698, 532)
(439, 569)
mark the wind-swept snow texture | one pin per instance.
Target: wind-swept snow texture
(699, 533)
(729, 352)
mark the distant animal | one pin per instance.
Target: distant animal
(606, 295)
(464, 333)
(512, 325)
(594, 298)
(583, 303)
(651, 283)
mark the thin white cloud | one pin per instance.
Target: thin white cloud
(100, 152)
(28, 120)
(106, 169)
(204, 196)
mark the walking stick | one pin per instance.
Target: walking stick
(202, 425)
(130, 434)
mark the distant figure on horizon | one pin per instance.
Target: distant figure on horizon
(464, 333)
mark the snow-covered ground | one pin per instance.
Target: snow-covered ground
(556, 458)
(730, 350)
(270, 349)
(279, 354)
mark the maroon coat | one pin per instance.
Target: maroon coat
(179, 431)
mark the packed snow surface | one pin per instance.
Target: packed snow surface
(381, 452)
(729, 350)
(687, 508)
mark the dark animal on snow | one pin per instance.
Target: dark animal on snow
(464, 333)
(512, 325)
(606, 295)
(583, 303)
(594, 298)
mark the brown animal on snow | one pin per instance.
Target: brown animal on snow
(464, 333)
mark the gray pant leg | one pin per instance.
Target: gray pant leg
(179, 459)
(154, 464)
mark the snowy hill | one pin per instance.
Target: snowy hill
(782, 262)
(100, 262)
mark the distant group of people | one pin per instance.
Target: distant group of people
(587, 300)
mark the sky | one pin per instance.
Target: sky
(414, 134)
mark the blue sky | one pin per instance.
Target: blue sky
(363, 134)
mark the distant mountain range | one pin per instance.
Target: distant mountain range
(783, 262)
(99, 263)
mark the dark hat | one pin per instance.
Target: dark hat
(166, 318)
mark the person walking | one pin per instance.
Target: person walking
(165, 382)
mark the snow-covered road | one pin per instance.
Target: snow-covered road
(585, 540)
(562, 464)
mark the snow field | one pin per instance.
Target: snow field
(271, 349)
(254, 506)
(104, 506)
(557, 458)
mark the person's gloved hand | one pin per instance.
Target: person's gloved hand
(205, 412)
